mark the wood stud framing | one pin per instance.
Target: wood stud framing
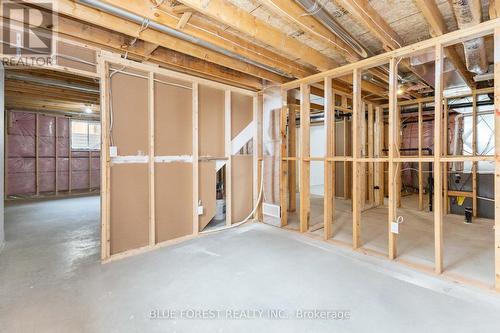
(104, 61)
(329, 194)
(497, 155)
(438, 174)
(357, 109)
(375, 137)
(305, 163)
(393, 152)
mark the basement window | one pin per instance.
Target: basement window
(85, 135)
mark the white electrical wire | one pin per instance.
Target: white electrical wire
(252, 212)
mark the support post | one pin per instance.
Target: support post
(285, 110)
(474, 153)
(370, 153)
(362, 166)
(497, 155)
(305, 108)
(227, 137)
(345, 142)
(393, 145)
(356, 152)
(151, 163)
(378, 150)
(37, 154)
(292, 152)
(255, 152)
(397, 140)
(420, 164)
(329, 166)
(438, 173)
(103, 69)
(446, 203)
(196, 185)
(260, 107)
(70, 180)
(56, 164)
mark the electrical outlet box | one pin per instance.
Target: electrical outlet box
(395, 227)
(200, 210)
(113, 151)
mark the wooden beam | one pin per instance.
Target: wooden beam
(259, 109)
(212, 34)
(364, 13)
(285, 111)
(347, 174)
(437, 23)
(494, 9)
(420, 164)
(305, 164)
(292, 152)
(228, 165)
(371, 123)
(171, 59)
(329, 166)
(228, 14)
(497, 156)
(151, 162)
(474, 153)
(103, 69)
(378, 150)
(184, 20)
(393, 148)
(438, 172)
(196, 189)
(356, 154)
(308, 23)
(105, 20)
(120, 43)
(478, 30)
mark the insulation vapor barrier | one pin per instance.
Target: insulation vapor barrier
(271, 149)
(22, 162)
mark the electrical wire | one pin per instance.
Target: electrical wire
(259, 198)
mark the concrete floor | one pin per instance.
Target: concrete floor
(468, 248)
(51, 281)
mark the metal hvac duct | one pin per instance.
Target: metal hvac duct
(175, 33)
(314, 9)
(468, 13)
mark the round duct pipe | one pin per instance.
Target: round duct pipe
(175, 33)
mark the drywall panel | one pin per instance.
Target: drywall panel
(241, 112)
(173, 200)
(173, 117)
(211, 121)
(77, 57)
(207, 191)
(129, 101)
(241, 187)
(129, 221)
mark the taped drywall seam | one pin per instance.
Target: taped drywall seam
(130, 159)
(174, 158)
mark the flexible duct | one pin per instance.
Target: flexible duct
(175, 33)
(468, 13)
(314, 9)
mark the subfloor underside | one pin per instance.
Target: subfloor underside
(51, 280)
(468, 248)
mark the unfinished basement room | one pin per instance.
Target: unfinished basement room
(250, 166)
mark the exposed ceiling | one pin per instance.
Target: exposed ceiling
(51, 92)
(252, 43)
